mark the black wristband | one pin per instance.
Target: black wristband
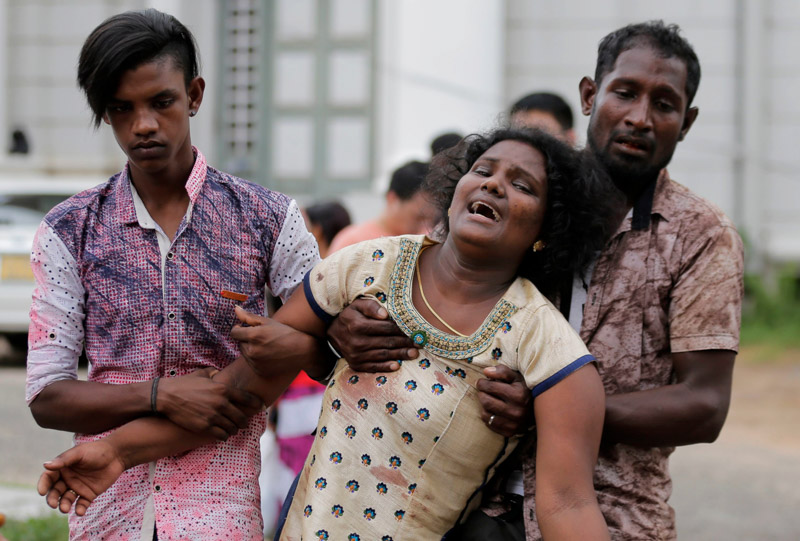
(154, 394)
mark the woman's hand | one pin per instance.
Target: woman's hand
(371, 342)
(79, 475)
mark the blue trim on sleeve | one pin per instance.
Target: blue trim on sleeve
(312, 302)
(561, 374)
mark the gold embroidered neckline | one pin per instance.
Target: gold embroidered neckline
(436, 341)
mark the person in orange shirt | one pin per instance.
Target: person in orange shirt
(407, 210)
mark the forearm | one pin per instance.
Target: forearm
(147, 439)
(578, 521)
(663, 417)
(90, 407)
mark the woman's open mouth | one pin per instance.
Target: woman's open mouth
(480, 208)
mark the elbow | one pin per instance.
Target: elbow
(39, 412)
(710, 415)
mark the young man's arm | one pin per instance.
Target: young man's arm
(569, 420)
(90, 468)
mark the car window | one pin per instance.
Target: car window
(27, 209)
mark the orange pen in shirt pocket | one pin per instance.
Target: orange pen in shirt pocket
(233, 295)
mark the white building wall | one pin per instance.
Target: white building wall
(40, 96)
(440, 68)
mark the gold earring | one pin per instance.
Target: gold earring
(449, 211)
(539, 245)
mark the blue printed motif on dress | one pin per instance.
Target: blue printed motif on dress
(353, 380)
(369, 281)
(352, 486)
(411, 385)
(423, 414)
(337, 511)
(395, 462)
(381, 488)
(323, 432)
(377, 255)
(505, 327)
(336, 457)
(336, 404)
(369, 513)
(424, 364)
(322, 535)
(391, 408)
(437, 389)
(350, 431)
(377, 433)
(380, 380)
(496, 354)
(320, 483)
(407, 437)
(363, 404)
(307, 511)
(366, 460)
(411, 488)
(399, 514)
(381, 296)
(353, 537)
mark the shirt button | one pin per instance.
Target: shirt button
(171, 315)
(170, 255)
(157, 488)
(172, 372)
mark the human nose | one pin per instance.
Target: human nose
(144, 122)
(638, 116)
(493, 185)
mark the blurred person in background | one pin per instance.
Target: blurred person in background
(445, 141)
(546, 111)
(407, 210)
(325, 220)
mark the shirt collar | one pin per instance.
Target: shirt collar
(127, 211)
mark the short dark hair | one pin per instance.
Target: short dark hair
(549, 103)
(445, 141)
(664, 38)
(125, 41)
(576, 221)
(331, 216)
(407, 179)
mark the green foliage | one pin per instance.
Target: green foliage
(52, 527)
(771, 313)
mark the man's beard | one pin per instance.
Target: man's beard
(630, 177)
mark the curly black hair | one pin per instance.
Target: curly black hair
(576, 220)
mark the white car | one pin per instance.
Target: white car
(24, 201)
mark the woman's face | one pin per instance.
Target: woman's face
(500, 203)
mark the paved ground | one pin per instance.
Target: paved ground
(745, 486)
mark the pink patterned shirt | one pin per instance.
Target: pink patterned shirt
(110, 281)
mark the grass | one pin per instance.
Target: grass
(771, 313)
(45, 528)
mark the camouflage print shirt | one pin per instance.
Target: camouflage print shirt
(672, 284)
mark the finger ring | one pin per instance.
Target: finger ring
(491, 420)
(70, 490)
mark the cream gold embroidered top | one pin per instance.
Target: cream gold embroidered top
(403, 455)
